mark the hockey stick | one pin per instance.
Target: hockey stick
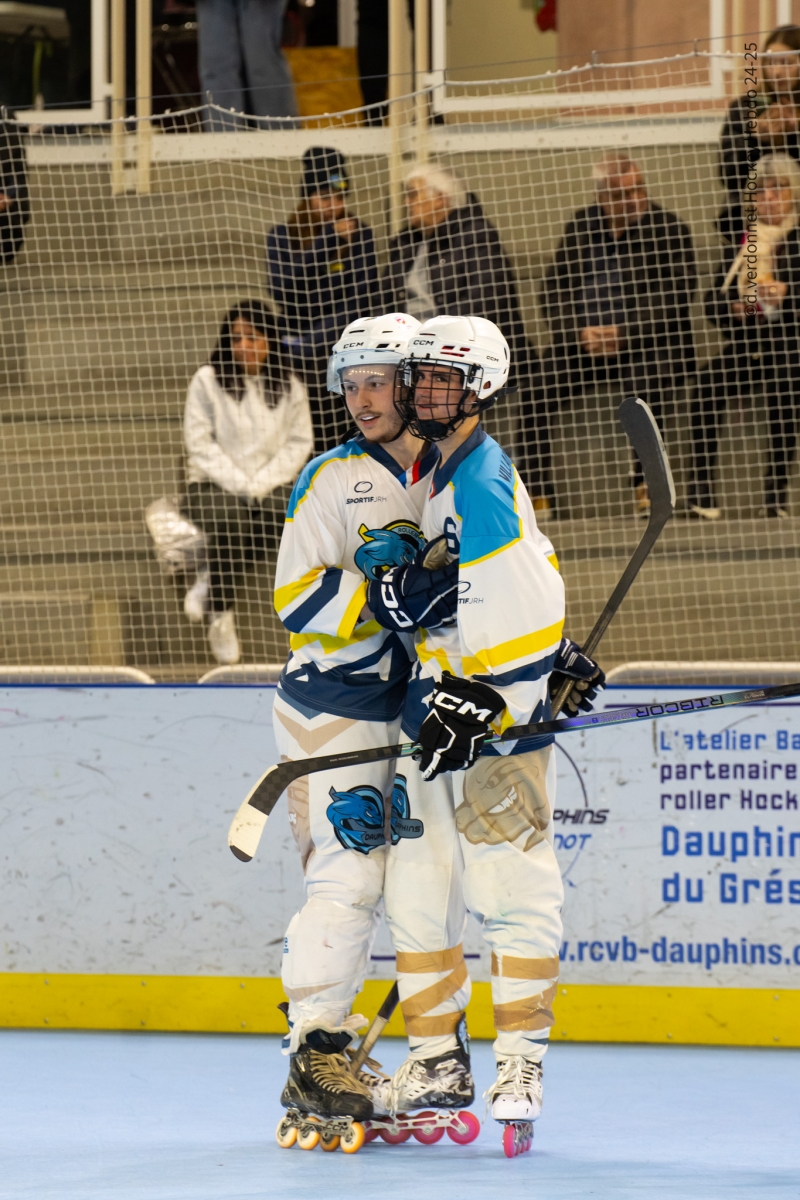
(266, 793)
(379, 1023)
(639, 423)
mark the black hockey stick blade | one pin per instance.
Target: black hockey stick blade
(266, 793)
(377, 1026)
(640, 425)
(247, 826)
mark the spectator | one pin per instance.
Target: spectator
(323, 273)
(617, 298)
(774, 112)
(240, 61)
(15, 209)
(247, 432)
(755, 302)
(449, 259)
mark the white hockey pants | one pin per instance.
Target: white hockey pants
(486, 848)
(338, 819)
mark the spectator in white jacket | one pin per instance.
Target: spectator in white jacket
(248, 433)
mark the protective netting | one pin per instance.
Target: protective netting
(139, 242)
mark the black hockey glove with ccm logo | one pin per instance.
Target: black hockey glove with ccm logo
(419, 594)
(453, 732)
(589, 678)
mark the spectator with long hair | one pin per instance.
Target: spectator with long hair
(247, 432)
(765, 122)
(755, 303)
(322, 272)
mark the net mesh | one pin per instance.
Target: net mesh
(141, 238)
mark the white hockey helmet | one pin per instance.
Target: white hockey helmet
(476, 348)
(370, 340)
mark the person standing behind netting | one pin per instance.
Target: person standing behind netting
(247, 432)
(755, 303)
(449, 259)
(240, 61)
(765, 121)
(323, 273)
(15, 209)
(617, 298)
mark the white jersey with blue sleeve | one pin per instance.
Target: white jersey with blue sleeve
(353, 513)
(511, 595)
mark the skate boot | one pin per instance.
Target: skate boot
(516, 1099)
(441, 1082)
(325, 1101)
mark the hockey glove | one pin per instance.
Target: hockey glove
(453, 732)
(415, 595)
(589, 679)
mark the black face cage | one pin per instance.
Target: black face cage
(406, 383)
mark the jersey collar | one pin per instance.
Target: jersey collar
(446, 471)
(406, 477)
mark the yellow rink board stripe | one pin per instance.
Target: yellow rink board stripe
(583, 1013)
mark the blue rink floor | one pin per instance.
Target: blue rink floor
(146, 1116)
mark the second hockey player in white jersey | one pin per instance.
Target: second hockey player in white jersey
(354, 513)
(486, 811)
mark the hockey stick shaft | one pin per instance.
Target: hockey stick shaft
(268, 790)
(379, 1023)
(639, 424)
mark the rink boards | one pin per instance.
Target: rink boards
(122, 907)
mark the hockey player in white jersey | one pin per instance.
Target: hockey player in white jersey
(486, 813)
(353, 514)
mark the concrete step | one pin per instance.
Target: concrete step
(82, 488)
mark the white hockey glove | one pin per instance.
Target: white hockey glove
(589, 678)
(453, 732)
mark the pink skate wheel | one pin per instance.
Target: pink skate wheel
(430, 1132)
(395, 1139)
(371, 1134)
(510, 1141)
(466, 1130)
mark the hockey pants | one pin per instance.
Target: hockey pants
(487, 849)
(339, 820)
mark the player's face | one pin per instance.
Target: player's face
(250, 347)
(437, 391)
(369, 395)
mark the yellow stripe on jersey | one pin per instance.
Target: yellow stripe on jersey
(553, 560)
(513, 650)
(310, 483)
(285, 595)
(329, 643)
(348, 621)
(425, 655)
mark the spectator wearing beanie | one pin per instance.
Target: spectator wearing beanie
(322, 272)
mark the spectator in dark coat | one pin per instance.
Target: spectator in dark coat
(15, 209)
(755, 303)
(449, 259)
(764, 122)
(322, 272)
(617, 297)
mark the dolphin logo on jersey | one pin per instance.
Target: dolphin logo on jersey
(358, 816)
(397, 543)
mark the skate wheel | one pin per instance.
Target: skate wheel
(354, 1138)
(430, 1133)
(331, 1143)
(510, 1141)
(286, 1133)
(466, 1130)
(395, 1138)
(370, 1135)
(308, 1139)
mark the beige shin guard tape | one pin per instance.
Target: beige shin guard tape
(415, 1007)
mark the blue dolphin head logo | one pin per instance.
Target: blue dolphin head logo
(357, 818)
(392, 546)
